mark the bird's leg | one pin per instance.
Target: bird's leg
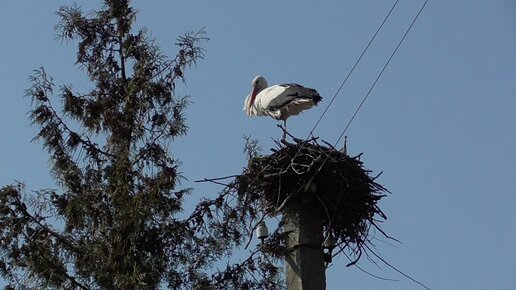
(284, 130)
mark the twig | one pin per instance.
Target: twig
(290, 135)
(376, 276)
(378, 175)
(47, 229)
(218, 178)
(329, 145)
(395, 269)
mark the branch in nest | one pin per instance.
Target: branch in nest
(335, 185)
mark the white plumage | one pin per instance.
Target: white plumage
(279, 101)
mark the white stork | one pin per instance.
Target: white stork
(279, 101)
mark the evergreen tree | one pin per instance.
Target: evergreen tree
(117, 203)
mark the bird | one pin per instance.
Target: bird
(279, 101)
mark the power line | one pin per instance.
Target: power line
(370, 89)
(346, 79)
(353, 68)
(349, 123)
(381, 72)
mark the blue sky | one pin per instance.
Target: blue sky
(440, 122)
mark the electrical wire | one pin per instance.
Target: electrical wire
(381, 72)
(351, 120)
(347, 77)
(352, 69)
(368, 93)
(344, 82)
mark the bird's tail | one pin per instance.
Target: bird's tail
(316, 98)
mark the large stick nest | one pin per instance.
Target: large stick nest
(323, 179)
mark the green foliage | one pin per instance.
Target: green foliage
(116, 222)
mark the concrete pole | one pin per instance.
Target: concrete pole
(305, 262)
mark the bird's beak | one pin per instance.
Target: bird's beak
(253, 96)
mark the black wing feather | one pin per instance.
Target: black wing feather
(298, 92)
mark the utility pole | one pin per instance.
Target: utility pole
(305, 260)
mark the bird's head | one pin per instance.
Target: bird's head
(258, 84)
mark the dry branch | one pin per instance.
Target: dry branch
(335, 185)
